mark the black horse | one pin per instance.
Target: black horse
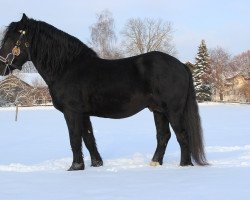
(82, 85)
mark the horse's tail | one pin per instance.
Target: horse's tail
(193, 125)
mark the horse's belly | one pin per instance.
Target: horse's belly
(119, 108)
(118, 114)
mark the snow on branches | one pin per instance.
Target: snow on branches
(202, 74)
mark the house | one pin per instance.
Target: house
(236, 89)
(25, 89)
(233, 89)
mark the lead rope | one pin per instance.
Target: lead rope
(2, 59)
(6, 65)
(7, 62)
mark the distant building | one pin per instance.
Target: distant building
(236, 89)
(25, 89)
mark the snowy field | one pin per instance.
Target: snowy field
(35, 154)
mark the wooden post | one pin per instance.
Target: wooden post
(16, 112)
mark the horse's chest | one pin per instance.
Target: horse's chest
(69, 97)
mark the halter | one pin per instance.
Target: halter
(15, 52)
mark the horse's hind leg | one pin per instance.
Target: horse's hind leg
(163, 136)
(177, 123)
(89, 141)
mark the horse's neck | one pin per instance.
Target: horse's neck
(48, 77)
(51, 66)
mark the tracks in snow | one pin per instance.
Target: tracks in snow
(219, 157)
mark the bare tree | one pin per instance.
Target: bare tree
(141, 36)
(220, 62)
(103, 37)
(240, 64)
(246, 91)
(14, 91)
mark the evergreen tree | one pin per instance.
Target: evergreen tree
(202, 74)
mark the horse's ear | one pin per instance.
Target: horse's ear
(24, 18)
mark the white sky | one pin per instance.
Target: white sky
(220, 23)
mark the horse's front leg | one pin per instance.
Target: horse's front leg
(89, 141)
(75, 126)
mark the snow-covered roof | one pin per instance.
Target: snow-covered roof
(32, 78)
(29, 78)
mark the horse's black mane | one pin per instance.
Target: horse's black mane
(54, 48)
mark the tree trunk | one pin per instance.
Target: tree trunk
(221, 96)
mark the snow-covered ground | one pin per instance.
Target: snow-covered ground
(35, 154)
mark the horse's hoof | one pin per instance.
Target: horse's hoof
(76, 166)
(186, 164)
(154, 164)
(97, 163)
